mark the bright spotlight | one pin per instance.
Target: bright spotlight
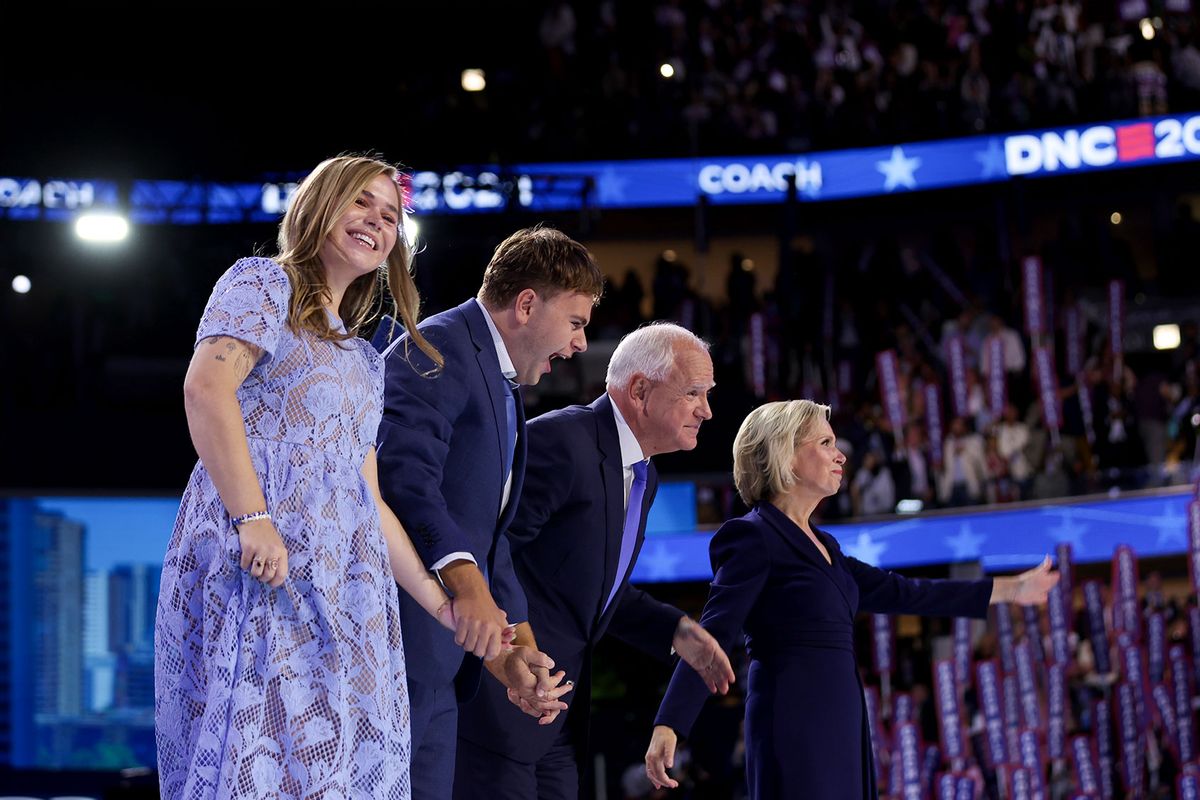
(1147, 28)
(101, 228)
(1115, 219)
(473, 80)
(1166, 337)
(22, 284)
(411, 228)
(667, 71)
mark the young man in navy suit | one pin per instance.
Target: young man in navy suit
(575, 538)
(451, 464)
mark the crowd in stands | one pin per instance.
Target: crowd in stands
(797, 75)
(1136, 428)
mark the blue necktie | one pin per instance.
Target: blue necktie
(633, 520)
(510, 409)
(510, 449)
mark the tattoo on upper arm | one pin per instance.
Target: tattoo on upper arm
(243, 365)
(245, 355)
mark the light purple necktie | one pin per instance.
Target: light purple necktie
(633, 520)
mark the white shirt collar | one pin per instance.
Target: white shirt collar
(631, 451)
(506, 364)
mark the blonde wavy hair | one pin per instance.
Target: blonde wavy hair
(766, 444)
(319, 202)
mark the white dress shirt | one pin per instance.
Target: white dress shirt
(631, 451)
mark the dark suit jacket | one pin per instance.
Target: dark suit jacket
(806, 730)
(442, 469)
(566, 540)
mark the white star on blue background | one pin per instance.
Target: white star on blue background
(611, 186)
(991, 160)
(965, 543)
(1172, 527)
(898, 170)
(659, 563)
(865, 549)
(1070, 532)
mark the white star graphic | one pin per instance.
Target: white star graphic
(659, 563)
(611, 186)
(1172, 527)
(1069, 531)
(898, 170)
(991, 160)
(966, 543)
(865, 549)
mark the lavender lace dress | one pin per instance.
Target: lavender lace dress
(298, 691)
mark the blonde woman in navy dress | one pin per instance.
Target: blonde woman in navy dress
(279, 667)
(793, 592)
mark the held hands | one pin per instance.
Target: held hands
(531, 688)
(445, 617)
(263, 553)
(660, 757)
(479, 625)
(701, 651)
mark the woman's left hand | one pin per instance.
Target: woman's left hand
(1032, 587)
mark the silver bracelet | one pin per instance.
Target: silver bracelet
(251, 517)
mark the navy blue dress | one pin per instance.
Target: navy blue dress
(806, 728)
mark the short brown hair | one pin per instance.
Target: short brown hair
(543, 259)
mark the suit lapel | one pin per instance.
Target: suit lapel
(518, 465)
(612, 475)
(647, 501)
(803, 546)
(493, 379)
(613, 470)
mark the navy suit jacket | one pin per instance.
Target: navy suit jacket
(566, 541)
(442, 468)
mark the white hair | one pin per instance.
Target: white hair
(650, 351)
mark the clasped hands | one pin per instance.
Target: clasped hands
(481, 628)
(525, 673)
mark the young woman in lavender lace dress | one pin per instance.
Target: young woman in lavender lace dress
(279, 668)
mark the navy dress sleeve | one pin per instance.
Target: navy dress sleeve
(741, 567)
(884, 592)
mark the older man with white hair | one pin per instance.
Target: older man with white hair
(589, 484)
